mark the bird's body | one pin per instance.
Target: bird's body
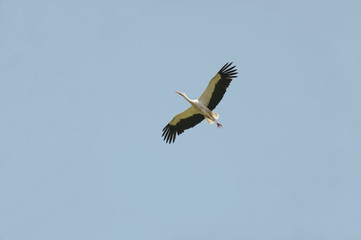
(202, 107)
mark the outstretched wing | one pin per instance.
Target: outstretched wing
(218, 85)
(187, 119)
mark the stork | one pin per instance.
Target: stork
(202, 107)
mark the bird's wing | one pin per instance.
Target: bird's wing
(218, 85)
(187, 119)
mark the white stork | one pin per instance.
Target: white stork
(202, 107)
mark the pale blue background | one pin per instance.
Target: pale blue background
(87, 86)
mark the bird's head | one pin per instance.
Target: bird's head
(180, 93)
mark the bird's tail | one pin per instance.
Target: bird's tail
(215, 115)
(210, 121)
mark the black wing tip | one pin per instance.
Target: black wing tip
(169, 134)
(228, 71)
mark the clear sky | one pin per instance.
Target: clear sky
(87, 86)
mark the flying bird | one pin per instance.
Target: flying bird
(202, 107)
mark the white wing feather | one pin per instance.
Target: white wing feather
(187, 113)
(207, 94)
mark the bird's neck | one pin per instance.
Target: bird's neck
(189, 100)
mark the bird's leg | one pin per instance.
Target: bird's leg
(218, 124)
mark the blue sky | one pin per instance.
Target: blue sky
(87, 86)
